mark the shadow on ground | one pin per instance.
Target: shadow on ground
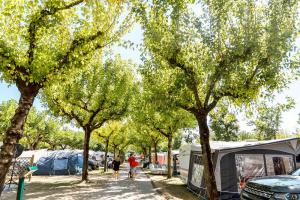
(99, 187)
(172, 188)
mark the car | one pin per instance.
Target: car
(281, 187)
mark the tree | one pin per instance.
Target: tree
(93, 96)
(155, 141)
(120, 140)
(177, 141)
(224, 124)
(143, 138)
(229, 49)
(165, 120)
(106, 134)
(44, 39)
(267, 119)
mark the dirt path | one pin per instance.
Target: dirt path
(99, 187)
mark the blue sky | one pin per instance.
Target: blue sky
(289, 118)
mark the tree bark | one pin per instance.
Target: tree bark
(106, 151)
(15, 132)
(87, 136)
(150, 156)
(209, 175)
(35, 145)
(53, 146)
(169, 155)
(144, 151)
(155, 153)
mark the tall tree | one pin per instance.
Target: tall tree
(228, 49)
(121, 139)
(93, 96)
(165, 120)
(43, 39)
(106, 134)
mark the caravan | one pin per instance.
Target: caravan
(236, 162)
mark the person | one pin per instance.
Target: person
(116, 166)
(132, 165)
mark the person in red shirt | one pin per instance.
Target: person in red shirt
(132, 164)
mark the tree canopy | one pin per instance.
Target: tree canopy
(41, 40)
(228, 49)
(99, 93)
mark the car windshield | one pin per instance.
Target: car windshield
(296, 172)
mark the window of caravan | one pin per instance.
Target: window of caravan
(197, 172)
(279, 164)
(249, 166)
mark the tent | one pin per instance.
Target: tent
(236, 162)
(61, 162)
(162, 157)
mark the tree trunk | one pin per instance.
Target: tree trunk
(106, 151)
(144, 151)
(87, 136)
(150, 156)
(15, 132)
(114, 151)
(53, 146)
(155, 153)
(35, 145)
(169, 156)
(209, 175)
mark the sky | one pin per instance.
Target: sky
(289, 119)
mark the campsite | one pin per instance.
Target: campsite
(150, 99)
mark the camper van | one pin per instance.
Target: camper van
(236, 162)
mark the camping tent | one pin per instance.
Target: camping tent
(61, 162)
(162, 157)
(236, 162)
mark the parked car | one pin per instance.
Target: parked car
(281, 187)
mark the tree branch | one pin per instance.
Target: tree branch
(35, 23)
(213, 104)
(99, 124)
(71, 115)
(191, 75)
(190, 109)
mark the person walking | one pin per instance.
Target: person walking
(132, 165)
(116, 167)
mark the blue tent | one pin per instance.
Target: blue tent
(61, 162)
